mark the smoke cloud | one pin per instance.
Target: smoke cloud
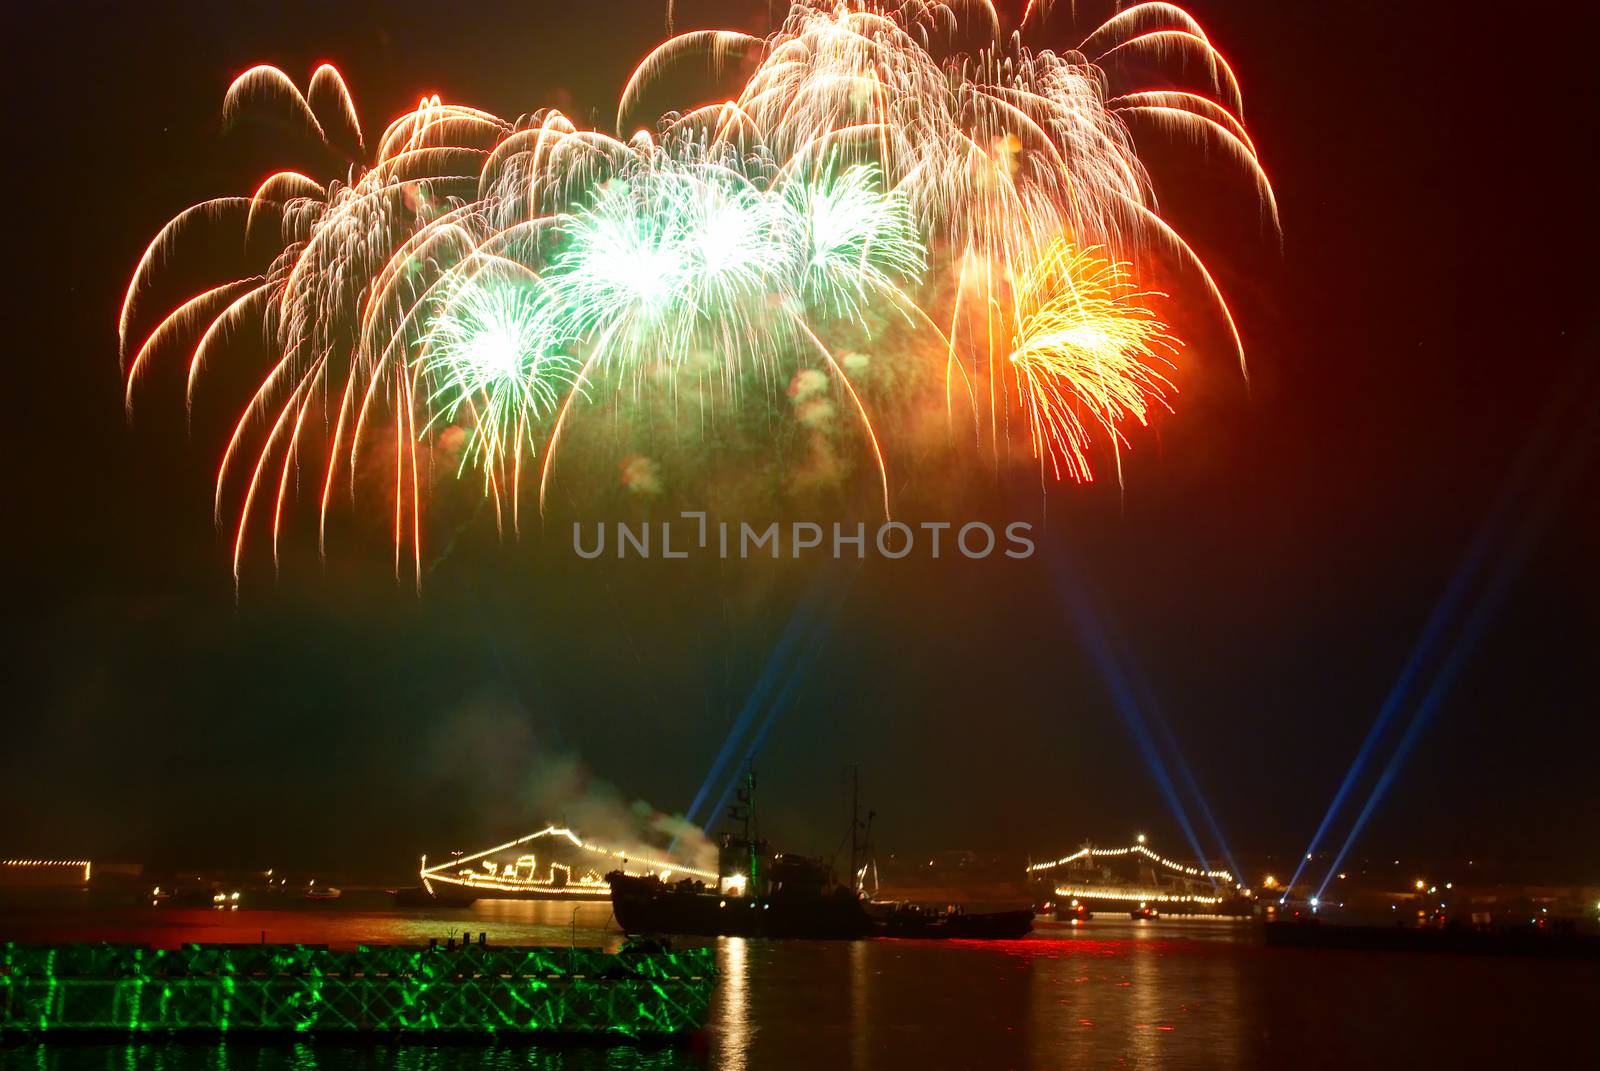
(487, 757)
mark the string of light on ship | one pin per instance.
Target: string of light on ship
(512, 873)
(1098, 853)
(1134, 897)
(584, 886)
(86, 864)
(666, 868)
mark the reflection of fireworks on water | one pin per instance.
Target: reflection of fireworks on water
(490, 275)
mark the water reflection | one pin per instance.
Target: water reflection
(733, 1014)
(1168, 994)
(860, 1006)
(233, 1056)
(1157, 994)
(506, 922)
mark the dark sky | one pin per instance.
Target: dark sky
(1274, 556)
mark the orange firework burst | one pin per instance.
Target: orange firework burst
(1089, 351)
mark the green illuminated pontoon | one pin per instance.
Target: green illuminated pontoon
(380, 990)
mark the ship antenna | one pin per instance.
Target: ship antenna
(860, 832)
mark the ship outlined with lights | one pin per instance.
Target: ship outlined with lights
(554, 863)
(1138, 881)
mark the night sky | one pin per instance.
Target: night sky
(1269, 562)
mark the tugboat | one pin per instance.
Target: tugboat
(756, 894)
(760, 894)
(794, 898)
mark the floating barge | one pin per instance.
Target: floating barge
(400, 992)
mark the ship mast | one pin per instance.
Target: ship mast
(744, 811)
(860, 832)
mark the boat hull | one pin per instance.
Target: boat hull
(650, 906)
(959, 926)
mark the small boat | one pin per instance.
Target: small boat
(955, 923)
(327, 892)
(1075, 913)
(1144, 911)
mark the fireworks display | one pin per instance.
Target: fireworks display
(492, 281)
(1085, 343)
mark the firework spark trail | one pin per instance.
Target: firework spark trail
(1088, 343)
(483, 275)
(493, 354)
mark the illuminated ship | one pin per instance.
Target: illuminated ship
(757, 893)
(553, 864)
(1138, 881)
